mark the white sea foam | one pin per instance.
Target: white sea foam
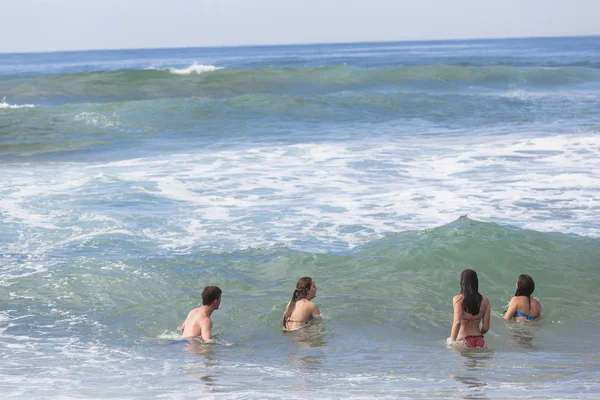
(318, 196)
(194, 69)
(90, 235)
(98, 119)
(22, 189)
(13, 273)
(314, 191)
(169, 336)
(4, 104)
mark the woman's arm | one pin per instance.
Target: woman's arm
(457, 304)
(512, 309)
(486, 318)
(315, 312)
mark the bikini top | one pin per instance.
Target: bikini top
(523, 315)
(475, 318)
(529, 317)
(299, 322)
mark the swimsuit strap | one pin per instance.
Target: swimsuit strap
(480, 312)
(528, 315)
(287, 321)
(520, 314)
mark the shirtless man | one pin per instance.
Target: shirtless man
(198, 322)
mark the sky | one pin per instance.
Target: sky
(54, 25)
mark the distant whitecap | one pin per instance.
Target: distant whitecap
(194, 69)
(4, 104)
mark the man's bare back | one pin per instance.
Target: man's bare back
(198, 322)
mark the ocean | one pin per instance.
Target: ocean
(131, 179)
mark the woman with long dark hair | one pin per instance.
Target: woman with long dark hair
(524, 307)
(301, 310)
(471, 310)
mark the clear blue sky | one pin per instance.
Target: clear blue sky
(49, 25)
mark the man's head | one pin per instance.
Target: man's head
(210, 295)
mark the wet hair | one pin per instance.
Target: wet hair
(210, 294)
(303, 285)
(469, 288)
(525, 286)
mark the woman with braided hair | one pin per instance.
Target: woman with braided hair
(301, 310)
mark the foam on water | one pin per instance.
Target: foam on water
(4, 104)
(299, 153)
(522, 94)
(322, 195)
(10, 274)
(194, 69)
(97, 119)
(21, 195)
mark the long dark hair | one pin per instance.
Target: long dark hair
(525, 286)
(303, 285)
(469, 288)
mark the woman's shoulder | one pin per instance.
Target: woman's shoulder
(520, 299)
(311, 305)
(457, 298)
(301, 304)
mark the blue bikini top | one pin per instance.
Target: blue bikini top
(529, 317)
(523, 315)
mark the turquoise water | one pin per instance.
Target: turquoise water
(131, 179)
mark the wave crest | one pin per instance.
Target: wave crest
(4, 104)
(209, 81)
(195, 68)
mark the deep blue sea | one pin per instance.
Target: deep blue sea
(130, 179)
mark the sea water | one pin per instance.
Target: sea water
(130, 179)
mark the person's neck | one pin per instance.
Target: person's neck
(208, 310)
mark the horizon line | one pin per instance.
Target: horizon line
(297, 44)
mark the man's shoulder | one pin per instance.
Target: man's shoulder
(194, 311)
(197, 313)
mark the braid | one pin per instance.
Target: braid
(302, 288)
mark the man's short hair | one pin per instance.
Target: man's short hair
(210, 294)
